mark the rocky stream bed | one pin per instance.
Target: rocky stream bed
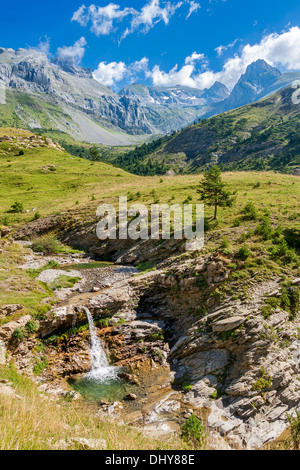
(173, 358)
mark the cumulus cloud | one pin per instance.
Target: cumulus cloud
(74, 53)
(151, 14)
(281, 50)
(104, 19)
(110, 74)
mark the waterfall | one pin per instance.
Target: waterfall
(100, 369)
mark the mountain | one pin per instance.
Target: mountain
(258, 76)
(171, 108)
(60, 95)
(260, 136)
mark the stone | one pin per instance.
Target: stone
(130, 397)
(6, 331)
(10, 309)
(92, 444)
(228, 324)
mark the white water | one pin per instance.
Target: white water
(100, 371)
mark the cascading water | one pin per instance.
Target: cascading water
(100, 371)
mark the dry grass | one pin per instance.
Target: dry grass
(35, 421)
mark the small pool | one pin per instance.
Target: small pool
(112, 390)
(92, 265)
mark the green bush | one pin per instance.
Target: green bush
(32, 326)
(47, 244)
(18, 335)
(249, 212)
(193, 432)
(264, 228)
(294, 422)
(17, 208)
(243, 253)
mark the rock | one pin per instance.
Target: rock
(206, 362)
(130, 397)
(5, 232)
(228, 324)
(129, 377)
(90, 444)
(10, 309)
(6, 331)
(110, 301)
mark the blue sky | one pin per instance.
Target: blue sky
(186, 42)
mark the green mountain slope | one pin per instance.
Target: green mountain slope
(261, 136)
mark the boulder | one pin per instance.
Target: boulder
(10, 309)
(7, 330)
(228, 324)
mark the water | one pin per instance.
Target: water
(100, 371)
(102, 381)
(91, 265)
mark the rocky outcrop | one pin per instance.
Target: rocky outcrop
(70, 92)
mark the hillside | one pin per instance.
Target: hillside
(214, 330)
(260, 136)
(59, 95)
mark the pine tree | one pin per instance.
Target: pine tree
(213, 190)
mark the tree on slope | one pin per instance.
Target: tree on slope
(213, 191)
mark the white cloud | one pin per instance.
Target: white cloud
(111, 73)
(75, 52)
(193, 8)
(151, 14)
(44, 46)
(104, 19)
(281, 50)
(195, 57)
(221, 49)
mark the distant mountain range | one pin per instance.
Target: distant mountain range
(58, 95)
(264, 135)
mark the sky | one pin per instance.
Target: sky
(155, 42)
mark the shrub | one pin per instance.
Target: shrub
(18, 335)
(243, 253)
(225, 243)
(264, 228)
(263, 383)
(48, 245)
(32, 326)
(283, 252)
(17, 208)
(294, 422)
(36, 216)
(249, 211)
(193, 432)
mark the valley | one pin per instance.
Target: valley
(214, 331)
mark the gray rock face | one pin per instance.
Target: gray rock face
(258, 76)
(173, 107)
(70, 90)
